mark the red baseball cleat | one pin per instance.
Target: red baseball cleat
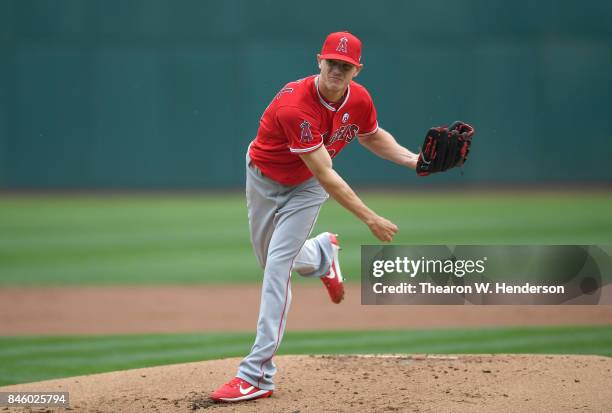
(237, 390)
(333, 280)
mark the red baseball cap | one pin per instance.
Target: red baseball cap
(342, 46)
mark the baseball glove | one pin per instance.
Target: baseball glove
(445, 148)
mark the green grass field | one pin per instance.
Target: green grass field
(126, 239)
(27, 359)
(47, 240)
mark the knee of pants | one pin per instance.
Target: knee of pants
(280, 265)
(274, 261)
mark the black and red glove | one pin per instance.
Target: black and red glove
(445, 148)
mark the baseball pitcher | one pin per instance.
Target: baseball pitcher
(289, 175)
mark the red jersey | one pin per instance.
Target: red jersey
(299, 120)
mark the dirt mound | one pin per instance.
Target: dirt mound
(394, 383)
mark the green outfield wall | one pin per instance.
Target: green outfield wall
(167, 94)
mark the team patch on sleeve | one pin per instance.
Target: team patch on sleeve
(306, 140)
(306, 133)
(300, 129)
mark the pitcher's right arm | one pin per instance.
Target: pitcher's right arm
(320, 164)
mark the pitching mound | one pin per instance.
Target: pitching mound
(356, 384)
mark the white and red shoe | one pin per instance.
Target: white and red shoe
(333, 280)
(238, 390)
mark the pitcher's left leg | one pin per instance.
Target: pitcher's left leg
(294, 222)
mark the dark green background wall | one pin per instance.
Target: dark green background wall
(160, 94)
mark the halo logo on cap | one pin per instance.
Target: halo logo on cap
(343, 46)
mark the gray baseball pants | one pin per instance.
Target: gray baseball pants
(281, 218)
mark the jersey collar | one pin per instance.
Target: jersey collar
(324, 103)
